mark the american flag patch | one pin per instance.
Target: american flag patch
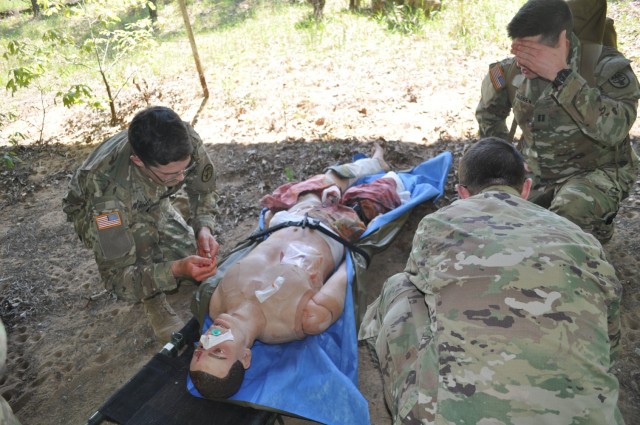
(496, 73)
(106, 221)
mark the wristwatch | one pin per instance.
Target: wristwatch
(561, 77)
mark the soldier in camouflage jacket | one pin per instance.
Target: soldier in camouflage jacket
(575, 116)
(119, 203)
(506, 313)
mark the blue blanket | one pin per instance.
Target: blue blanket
(317, 377)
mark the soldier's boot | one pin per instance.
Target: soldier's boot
(162, 318)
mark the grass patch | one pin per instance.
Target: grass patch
(232, 32)
(250, 40)
(13, 5)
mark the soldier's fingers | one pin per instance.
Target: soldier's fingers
(202, 261)
(205, 248)
(210, 248)
(215, 247)
(201, 273)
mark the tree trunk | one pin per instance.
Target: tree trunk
(194, 48)
(112, 103)
(153, 11)
(35, 8)
(318, 9)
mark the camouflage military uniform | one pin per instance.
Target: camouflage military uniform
(129, 222)
(576, 139)
(505, 314)
(6, 414)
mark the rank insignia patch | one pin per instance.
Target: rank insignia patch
(106, 221)
(498, 79)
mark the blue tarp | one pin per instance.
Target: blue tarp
(317, 377)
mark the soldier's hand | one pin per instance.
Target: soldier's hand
(206, 244)
(195, 267)
(541, 59)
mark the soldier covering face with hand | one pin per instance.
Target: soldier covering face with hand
(575, 102)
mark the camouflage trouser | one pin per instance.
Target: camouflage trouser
(6, 414)
(590, 200)
(408, 358)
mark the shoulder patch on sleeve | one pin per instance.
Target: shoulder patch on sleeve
(207, 173)
(497, 76)
(619, 80)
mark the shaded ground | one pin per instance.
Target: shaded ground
(71, 346)
(69, 352)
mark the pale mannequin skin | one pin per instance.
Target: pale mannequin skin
(197, 267)
(536, 59)
(246, 320)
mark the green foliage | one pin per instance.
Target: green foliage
(23, 76)
(77, 94)
(289, 174)
(240, 43)
(109, 41)
(7, 5)
(56, 38)
(310, 22)
(473, 25)
(29, 60)
(114, 43)
(10, 158)
(92, 36)
(105, 32)
(219, 15)
(52, 8)
(403, 18)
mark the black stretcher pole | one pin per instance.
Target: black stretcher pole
(170, 349)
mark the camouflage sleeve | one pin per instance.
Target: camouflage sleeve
(201, 188)
(494, 106)
(607, 299)
(612, 293)
(73, 201)
(613, 320)
(416, 269)
(607, 112)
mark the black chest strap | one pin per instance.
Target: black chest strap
(314, 224)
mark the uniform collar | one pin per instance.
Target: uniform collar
(575, 51)
(501, 188)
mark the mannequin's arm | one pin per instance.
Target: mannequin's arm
(326, 306)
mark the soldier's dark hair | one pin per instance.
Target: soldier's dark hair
(158, 136)
(212, 387)
(542, 17)
(490, 162)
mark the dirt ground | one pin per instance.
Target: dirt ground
(71, 346)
